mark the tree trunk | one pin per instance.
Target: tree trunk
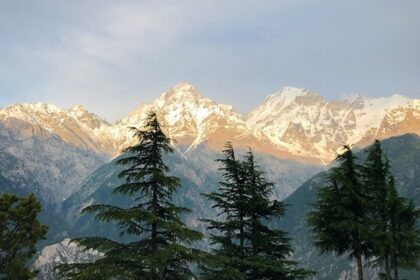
(387, 267)
(154, 230)
(254, 247)
(359, 267)
(395, 265)
(154, 224)
(241, 232)
(396, 276)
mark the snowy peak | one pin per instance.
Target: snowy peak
(42, 113)
(187, 116)
(289, 95)
(293, 120)
(84, 117)
(283, 100)
(180, 93)
(303, 122)
(182, 90)
(185, 86)
(75, 126)
(381, 103)
(28, 111)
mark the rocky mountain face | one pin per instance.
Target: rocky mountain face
(292, 123)
(63, 252)
(52, 147)
(58, 148)
(304, 123)
(193, 121)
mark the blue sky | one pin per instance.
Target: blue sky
(111, 55)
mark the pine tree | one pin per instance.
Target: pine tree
(339, 219)
(161, 250)
(404, 233)
(395, 239)
(229, 236)
(247, 248)
(268, 249)
(20, 230)
(375, 176)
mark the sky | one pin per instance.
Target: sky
(111, 55)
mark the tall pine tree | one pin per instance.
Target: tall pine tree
(267, 249)
(161, 249)
(247, 247)
(404, 232)
(375, 177)
(20, 230)
(395, 237)
(339, 216)
(228, 235)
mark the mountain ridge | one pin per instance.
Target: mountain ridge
(293, 122)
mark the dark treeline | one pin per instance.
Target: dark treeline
(358, 213)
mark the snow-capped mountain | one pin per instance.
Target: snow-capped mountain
(192, 120)
(303, 122)
(62, 146)
(188, 118)
(48, 146)
(401, 120)
(292, 123)
(75, 126)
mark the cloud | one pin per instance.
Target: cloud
(111, 55)
(87, 65)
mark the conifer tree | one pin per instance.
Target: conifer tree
(161, 250)
(395, 238)
(246, 246)
(229, 235)
(268, 249)
(375, 177)
(20, 230)
(404, 232)
(339, 216)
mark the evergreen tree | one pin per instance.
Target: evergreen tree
(404, 233)
(375, 176)
(247, 248)
(268, 249)
(20, 230)
(395, 239)
(339, 219)
(161, 250)
(229, 236)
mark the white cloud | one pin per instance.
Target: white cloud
(111, 55)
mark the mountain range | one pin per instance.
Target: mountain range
(294, 121)
(293, 124)
(67, 156)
